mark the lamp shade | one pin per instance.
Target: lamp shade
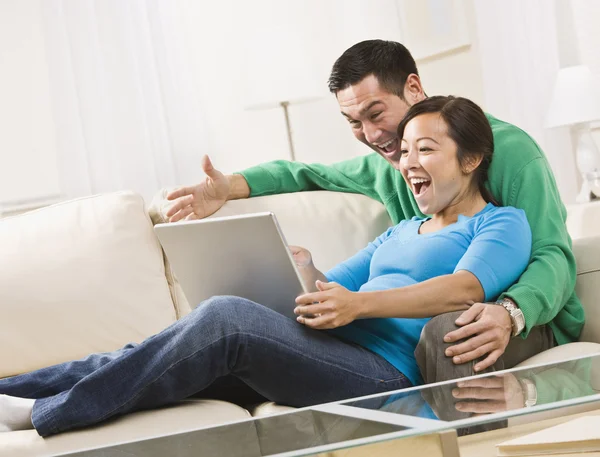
(575, 98)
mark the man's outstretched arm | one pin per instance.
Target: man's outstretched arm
(368, 175)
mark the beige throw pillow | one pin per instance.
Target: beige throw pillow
(79, 277)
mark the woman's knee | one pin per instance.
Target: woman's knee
(226, 311)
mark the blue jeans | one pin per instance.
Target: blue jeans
(224, 342)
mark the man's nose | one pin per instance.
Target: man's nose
(371, 132)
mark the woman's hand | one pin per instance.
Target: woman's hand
(302, 257)
(306, 268)
(333, 306)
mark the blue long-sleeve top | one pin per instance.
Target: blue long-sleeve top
(494, 245)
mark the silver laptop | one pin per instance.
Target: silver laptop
(246, 256)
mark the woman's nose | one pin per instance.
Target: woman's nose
(410, 161)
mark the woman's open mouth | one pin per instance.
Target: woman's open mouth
(419, 186)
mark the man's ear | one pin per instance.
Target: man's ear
(413, 90)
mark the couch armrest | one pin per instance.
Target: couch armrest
(587, 253)
(583, 219)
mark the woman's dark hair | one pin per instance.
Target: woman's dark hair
(389, 61)
(469, 129)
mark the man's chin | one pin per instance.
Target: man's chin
(393, 158)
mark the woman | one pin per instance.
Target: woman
(373, 306)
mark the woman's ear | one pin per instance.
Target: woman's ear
(471, 162)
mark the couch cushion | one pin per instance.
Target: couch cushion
(185, 416)
(269, 408)
(157, 210)
(79, 277)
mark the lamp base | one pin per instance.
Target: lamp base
(586, 194)
(588, 162)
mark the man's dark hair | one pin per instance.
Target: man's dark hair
(469, 129)
(389, 61)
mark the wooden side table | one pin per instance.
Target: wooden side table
(484, 444)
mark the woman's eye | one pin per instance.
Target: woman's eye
(403, 151)
(424, 149)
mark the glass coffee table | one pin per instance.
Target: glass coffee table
(429, 417)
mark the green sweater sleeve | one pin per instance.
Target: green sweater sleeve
(549, 280)
(361, 175)
(564, 382)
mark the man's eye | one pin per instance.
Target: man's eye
(376, 115)
(354, 124)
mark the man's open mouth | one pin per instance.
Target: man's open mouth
(419, 185)
(388, 148)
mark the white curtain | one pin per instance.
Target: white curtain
(519, 53)
(123, 99)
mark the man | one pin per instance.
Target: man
(375, 82)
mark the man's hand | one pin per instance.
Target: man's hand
(489, 395)
(333, 306)
(487, 329)
(198, 202)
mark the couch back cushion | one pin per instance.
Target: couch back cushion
(79, 277)
(587, 253)
(332, 225)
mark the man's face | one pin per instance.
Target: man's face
(374, 115)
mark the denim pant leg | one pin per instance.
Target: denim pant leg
(57, 378)
(279, 358)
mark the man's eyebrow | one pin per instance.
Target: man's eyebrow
(369, 106)
(365, 109)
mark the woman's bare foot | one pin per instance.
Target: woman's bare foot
(15, 413)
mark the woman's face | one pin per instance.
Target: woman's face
(429, 164)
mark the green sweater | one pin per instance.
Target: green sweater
(519, 176)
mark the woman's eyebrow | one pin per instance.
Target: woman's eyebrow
(427, 138)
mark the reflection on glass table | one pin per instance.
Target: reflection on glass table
(470, 405)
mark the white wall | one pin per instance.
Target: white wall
(586, 16)
(28, 168)
(220, 45)
(219, 39)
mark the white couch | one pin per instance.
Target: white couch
(89, 276)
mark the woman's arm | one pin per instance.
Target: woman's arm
(443, 294)
(335, 306)
(495, 258)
